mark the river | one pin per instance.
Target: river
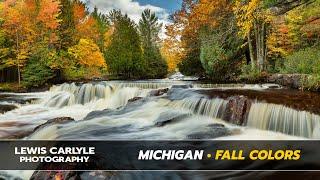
(162, 110)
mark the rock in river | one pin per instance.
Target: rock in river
(237, 110)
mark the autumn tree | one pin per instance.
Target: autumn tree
(254, 18)
(86, 55)
(18, 26)
(221, 51)
(28, 22)
(171, 49)
(186, 29)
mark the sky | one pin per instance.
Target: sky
(134, 8)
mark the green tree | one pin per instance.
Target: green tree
(149, 29)
(66, 30)
(124, 53)
(221, 48)
(37, 71)
(103, 26)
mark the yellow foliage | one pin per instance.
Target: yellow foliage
(248, 14)
(172, 55)
(87, 53)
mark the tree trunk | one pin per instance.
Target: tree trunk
(251, 52)
(260, 44)
(18, 60)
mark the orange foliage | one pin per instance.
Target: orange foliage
(86, 25)
(48, 13)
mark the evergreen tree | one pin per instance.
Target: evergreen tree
(103, 26)
(66, 29)
(149, 29)
(124, 54)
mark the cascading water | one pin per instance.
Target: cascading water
(201, 106)
(103, 111)
(283, 119)
(113, 95)
(111, 116)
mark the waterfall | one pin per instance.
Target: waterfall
(77, 100)
(143, 85)
(201, 106)
(283, 119)
(114, 95)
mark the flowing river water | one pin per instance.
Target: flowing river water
(161, 110)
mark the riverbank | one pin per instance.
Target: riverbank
(302, 82)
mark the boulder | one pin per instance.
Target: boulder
(158, 92)
(121, 110)
(20, 132)
(17, 135)
(237, 110)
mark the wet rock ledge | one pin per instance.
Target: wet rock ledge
(289, 80)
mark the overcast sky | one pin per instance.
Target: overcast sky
(134, 8)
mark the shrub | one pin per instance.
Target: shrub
(251, 75)
(311, 83)
(306, 61)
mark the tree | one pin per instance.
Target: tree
(219, 44)
(37, 71)
(124, 53)
(254, 18)
(26, 22)
(87, 53)
(186, 28)
(66, 30)
(149, 29)
(103, 27)
(19, 29)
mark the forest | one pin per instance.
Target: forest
(59, 40)
(246, 40)
(54, 41)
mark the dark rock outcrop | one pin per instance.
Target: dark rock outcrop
(237, 110)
